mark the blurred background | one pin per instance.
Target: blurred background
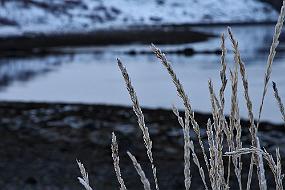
(61, 93)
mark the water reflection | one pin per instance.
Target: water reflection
(90, 75)
(25, 69)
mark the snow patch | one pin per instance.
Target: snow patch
(74, 15)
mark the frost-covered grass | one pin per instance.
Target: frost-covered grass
(224, 136)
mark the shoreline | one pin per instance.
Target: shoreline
(8, 108)
(40, 143)
(148, 35)
(158, 34)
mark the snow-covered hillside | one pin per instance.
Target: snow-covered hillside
(17, 16)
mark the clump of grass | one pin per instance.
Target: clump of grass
(220, 132)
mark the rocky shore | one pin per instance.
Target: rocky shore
(40, 143)
(143, 35)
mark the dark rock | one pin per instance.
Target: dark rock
(31, 181)
(277, 4)
(6, 21)
(155, 19)
(115, 10)
(160, 2)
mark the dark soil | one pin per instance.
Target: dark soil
(40, 143)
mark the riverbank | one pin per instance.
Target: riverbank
(140, 35)
(40, 143)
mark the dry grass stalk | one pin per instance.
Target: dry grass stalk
(140, 171)
(235, 124)
(215, 131)
(279, 101)
(223, 72)
(188, 144)
(239, 62)
(213, 174)
(253, 128)
(140, 117)
(180, 90)
(234, 142)
(274, 166)
(186, 135)
(279, 175)
(249, 177)
(215, 113)
(180, 120)
(197, 162)
(218, 138)
(234, 117)
(275, 42)
(177, 83)
(84, 179)
(116, 162)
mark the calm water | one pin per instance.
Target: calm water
(90, 75)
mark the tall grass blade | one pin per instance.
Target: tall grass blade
(279, 101)
(84, 179)
(140, 117)
(140, 171)
(116, 162)
(275, 42)
(253, 127)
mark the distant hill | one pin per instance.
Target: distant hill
(19, 16)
